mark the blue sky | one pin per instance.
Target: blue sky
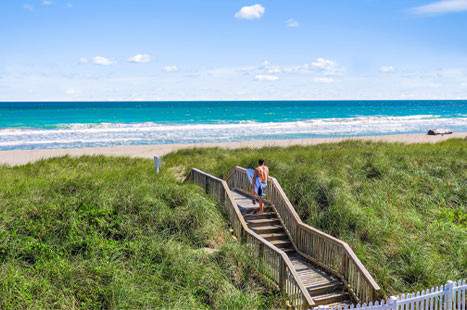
(229, 49)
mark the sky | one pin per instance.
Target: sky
(73, 50)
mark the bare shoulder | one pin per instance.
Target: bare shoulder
(257, 170)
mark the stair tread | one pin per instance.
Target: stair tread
(330, 295)
(274, 235)
(261, 221)
(264, 214)
(251, 209)
(340, 303)
(310, 282)
(280, 242)
(267, 227)
(317, 290)
(312, 275)
(318, 285)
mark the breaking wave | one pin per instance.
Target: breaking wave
(107, 134)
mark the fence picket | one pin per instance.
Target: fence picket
(450, 296)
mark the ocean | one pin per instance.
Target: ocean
(42, 125)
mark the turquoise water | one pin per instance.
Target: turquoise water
(31, 125)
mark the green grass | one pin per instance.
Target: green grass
(402, 208)
(97, 232)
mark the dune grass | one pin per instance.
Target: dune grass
(402, 208)
(98, 232)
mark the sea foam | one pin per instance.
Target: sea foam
(106, 134)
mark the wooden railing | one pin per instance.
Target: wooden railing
(271, 260)
(330, 253)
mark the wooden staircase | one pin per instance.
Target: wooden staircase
(323, 288)
(309, 266)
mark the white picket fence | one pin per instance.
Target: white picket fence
(450, 296)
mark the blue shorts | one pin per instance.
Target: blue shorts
(261, 189)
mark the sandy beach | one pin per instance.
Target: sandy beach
(20, 157)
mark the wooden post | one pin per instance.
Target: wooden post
(448, 289)
(222, 194)
(157, 164)
(282, 275)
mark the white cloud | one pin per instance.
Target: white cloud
(323, 79)
(250, 12)
(323, 64)
(386, 69)
(266, 77)
(31, 83)
(46, 2)
(171, 68)
(28, 7)
(292, 23)
(274, 69)
(267, 67)
(101, 61)
(265, 64)
(71, 92)
(140, 58)
(450, 73)
(441, 6)
(83, 60)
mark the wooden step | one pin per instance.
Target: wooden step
(311, 283)
(282, 243)
(264, 222)
(266, 208)
(275, 236)
(340, 304)
(325, 288)
(253, 210)
(314, 273)
(268, 229)
(289, 251)
(329, 298)
(257, 216)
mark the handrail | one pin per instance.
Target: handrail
(327, 251)
(275, 262)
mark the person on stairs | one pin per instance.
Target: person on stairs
(259, 183)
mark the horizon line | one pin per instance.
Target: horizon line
(222, 100)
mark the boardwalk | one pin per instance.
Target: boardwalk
(324, 288)
(311, 267)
